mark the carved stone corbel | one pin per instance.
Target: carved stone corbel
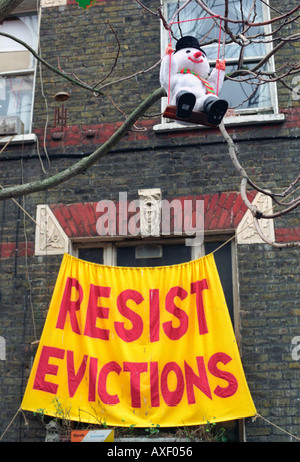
(150, 211)
(246, 232)
(50, 238)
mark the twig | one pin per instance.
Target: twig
(135, 127)
(128, 77)
(257, 214)
(84, 164)
(52, 68)
(116, 58)
(251, 24)
(146, 8)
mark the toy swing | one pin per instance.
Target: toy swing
(196, 117)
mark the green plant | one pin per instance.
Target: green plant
(209, 432)
(215, 433)
(153, 430)
(40, 413)
(63, 415)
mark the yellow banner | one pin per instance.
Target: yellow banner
(139, 346)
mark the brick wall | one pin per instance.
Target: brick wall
(269, 294)
(185, 163)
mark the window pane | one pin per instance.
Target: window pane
(207, 29)
(204, 30)
(171, 255)
(15, 60)
(224, 266)
(16, 91)
(245, 95)
(93, 255)
(25, 28)
(16, 98)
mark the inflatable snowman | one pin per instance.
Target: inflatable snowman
(191, 86)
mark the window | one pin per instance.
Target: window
(167, 252)
(161, 253)
(244, 97)
(17, 67)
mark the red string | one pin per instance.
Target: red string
(169, 84)
(170, 41)
(219, 46)
(195, 19)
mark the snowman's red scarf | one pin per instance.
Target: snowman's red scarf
(209, 88)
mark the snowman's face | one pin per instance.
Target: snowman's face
(192, 59)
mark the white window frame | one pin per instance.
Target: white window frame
(29, 8)
(246, 116)
(110, 248)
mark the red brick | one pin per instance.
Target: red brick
(220, 204)
(287, 234)
(90, 210)
(77, 219)
(231, 198)
(214, 223)
(9, 249)
(59, 212)
(213, 201)
(223, 218)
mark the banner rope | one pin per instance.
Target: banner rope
(276, 426)
(12, 420)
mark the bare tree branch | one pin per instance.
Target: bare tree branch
(52, 68)
(83, 165)
(257, 214)
(268, 241)
(256, 76)
(116, 58)
(247, 23)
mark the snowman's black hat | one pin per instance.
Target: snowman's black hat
(188, 42)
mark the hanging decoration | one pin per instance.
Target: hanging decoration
(139, 346)
(192, 89)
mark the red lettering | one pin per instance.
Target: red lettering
(222, 392)
(73, 296)
(154, 315)
(45, 368)
(172, 398)
(68, 306)
(197, 288)
(174, 333)
(92, 379)
(200, 381)
(154, 387)
(74, 378)
(135, 370)
(94, 311)
(105, 397)
(129, 335)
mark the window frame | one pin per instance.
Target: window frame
(27, 136)
(110, 258)
(247, 115)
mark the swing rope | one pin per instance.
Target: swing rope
(219, 47)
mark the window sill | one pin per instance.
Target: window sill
(18, 139)
(229, 122)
